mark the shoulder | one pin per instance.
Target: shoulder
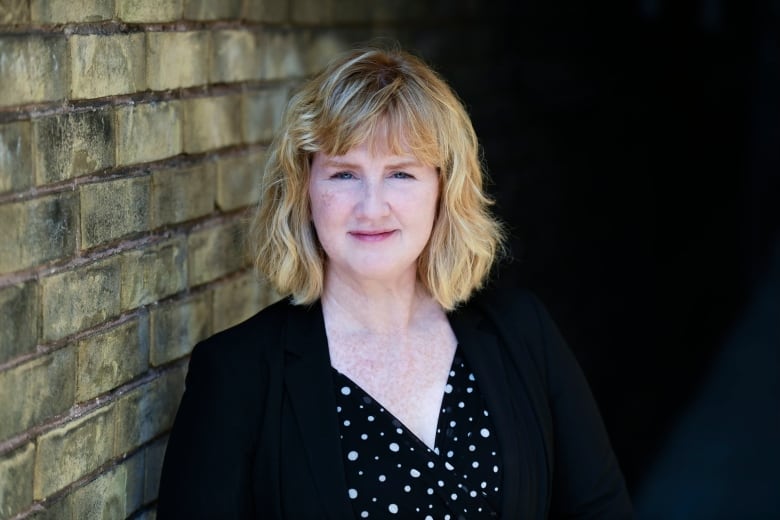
(515, 307)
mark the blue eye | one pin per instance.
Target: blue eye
(342, 175)
(401, 175)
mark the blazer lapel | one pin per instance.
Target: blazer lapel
(309, 383)
(482, 351)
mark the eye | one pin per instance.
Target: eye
(342, 176)
(401, 175)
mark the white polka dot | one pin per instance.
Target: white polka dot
(461, 404)
(483, 485)
(352, 455)
(475, 464)
(364, 514)
(431, 464)
(472, 447)
(338, 409)
(452, 373)
(495, 469)
(407, 488)
(364, 436)
(469, 390)
(392, 508)
(382, 478)
(454, 496)
(413, 472)
(428, 517)
(449, 453)
(347, 423)
(485, 413)
(345, 390)
(484, 432)
(471, 377)
(452, 424)
(440, 483)
(370, 418)
(449, 466)
(448, 388)
(430, 491)
(473, 493)
(394, 446)
(353, 493)
(399, 431)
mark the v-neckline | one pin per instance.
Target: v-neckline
(439, 417)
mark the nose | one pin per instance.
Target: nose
(374, 202)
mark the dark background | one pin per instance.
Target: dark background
(634, 149)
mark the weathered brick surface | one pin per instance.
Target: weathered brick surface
(137, 11)
(177, 59)
(210, 10)
(265, 11)
(18, 319)
(81, 298)
(36, 231)
(135, 466)
(152, 273)
(14, 12)
(63, 11)
(177, 326)
(16, 164)
(148, 132)
(40, 388)
(113, 209)
(148, 411)
(280, 55)
(32, 68)
(239, 299)
(155, 453)
(73, 144)
(16, 480)
(233, 56)
(179, 195)
(312, 11)
(111, 358)
(216, 251)
(238, 180)
(211, 123)
(73, 450)
(262, 113)
(106, 65)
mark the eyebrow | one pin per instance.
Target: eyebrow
(335, 163)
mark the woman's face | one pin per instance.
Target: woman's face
(373, 212)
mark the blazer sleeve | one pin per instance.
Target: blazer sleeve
(587, 481)
(207, 466)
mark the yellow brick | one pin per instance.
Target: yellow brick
(73, 144)
(80, 298)
(16, 480)
(155, 453)
(18, 319)
(312, 11)
(108, 359)
(72, 451)
(33, 68)
(267, 11)
(280, 55)
(262, 113)
(239, 299)
(135, 467)
(183, 194)
(14, 12)
(177, 59)
(320, 49)
(211, 10)
(36, 231)
(216, 251)
(148, 411)
(104, 497)
(152, 273)
(36, 390)
(104, 65)
(238, 180)
(16, 170)
(148, 132)
(63, 11)
(233, 57)
(211, 123)
(140, 11)
(177, 326)
(113, 209)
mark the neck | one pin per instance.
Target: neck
(376, 307)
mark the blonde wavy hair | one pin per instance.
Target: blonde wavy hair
(392, 98)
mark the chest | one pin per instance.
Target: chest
(407, 376)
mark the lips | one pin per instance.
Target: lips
(372, 236)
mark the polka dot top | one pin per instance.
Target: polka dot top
(391, 473)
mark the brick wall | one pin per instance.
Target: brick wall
(131, 134)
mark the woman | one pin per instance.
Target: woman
(385, 385)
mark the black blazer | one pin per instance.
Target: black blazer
(256, 434)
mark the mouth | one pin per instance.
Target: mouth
(371, 236)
